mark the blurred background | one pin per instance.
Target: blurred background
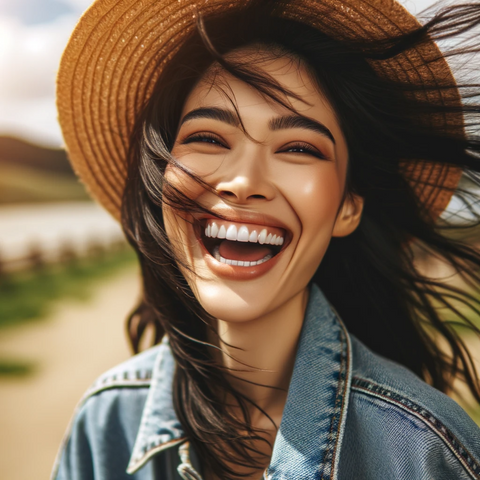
(67, 277)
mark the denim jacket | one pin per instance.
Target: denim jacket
(350, 415)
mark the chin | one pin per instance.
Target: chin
(228, 305)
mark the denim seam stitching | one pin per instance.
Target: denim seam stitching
(128, 384)
(126, 379)
(457, 448)
(345, 399)
(330, 451)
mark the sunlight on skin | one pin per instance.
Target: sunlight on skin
(295, 178)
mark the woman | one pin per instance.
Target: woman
(274, 165)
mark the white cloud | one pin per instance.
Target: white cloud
(34, 119)
(29, 58)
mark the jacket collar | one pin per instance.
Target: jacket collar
(313, 421)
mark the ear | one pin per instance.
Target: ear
(349, 216)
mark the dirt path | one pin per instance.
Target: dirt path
(74, 346)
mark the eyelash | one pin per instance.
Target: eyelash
(214, 140)
(204, 138)
(306, 148)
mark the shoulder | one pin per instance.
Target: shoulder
(110, 409)
(392, 407)
(136, 372)
(124, 383)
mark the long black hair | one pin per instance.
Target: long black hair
(371, 277)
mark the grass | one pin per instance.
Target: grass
(458, 323)
(475, 415)
(28, 296)
(465, 331)
(15, 368)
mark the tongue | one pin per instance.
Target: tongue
(250, 252)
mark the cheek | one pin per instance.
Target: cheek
(204, 163)
(182, 182)
(316, 201)
(315, 195)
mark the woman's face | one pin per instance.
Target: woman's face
(279, 182)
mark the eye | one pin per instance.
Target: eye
(303, 148)
(205, 138)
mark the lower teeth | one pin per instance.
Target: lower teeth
(239, 263)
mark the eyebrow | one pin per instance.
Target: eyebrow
(278, 123)
(299, 121)
(214, 113)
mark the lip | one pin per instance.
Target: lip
(233, 272)
(255, 218)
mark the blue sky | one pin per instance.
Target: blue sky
(33, 34)
(32, 12)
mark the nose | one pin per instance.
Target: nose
(245, 179)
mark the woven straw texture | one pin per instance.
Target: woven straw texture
(118, 48)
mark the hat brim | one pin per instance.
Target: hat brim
(119, 47)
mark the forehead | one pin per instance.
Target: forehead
(223, 89)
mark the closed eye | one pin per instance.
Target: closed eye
(303, 148)
(205, 138)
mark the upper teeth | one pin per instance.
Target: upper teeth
(244, 233)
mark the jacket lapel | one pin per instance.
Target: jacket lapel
(159, 427)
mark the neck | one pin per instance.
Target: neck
(264, 351)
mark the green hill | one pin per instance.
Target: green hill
(29, 185)
(31, 173)
(19, 153)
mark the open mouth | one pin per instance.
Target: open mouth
(243, 245)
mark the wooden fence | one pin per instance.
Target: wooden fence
(32, 236)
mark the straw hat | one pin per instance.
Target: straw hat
(119, 47)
